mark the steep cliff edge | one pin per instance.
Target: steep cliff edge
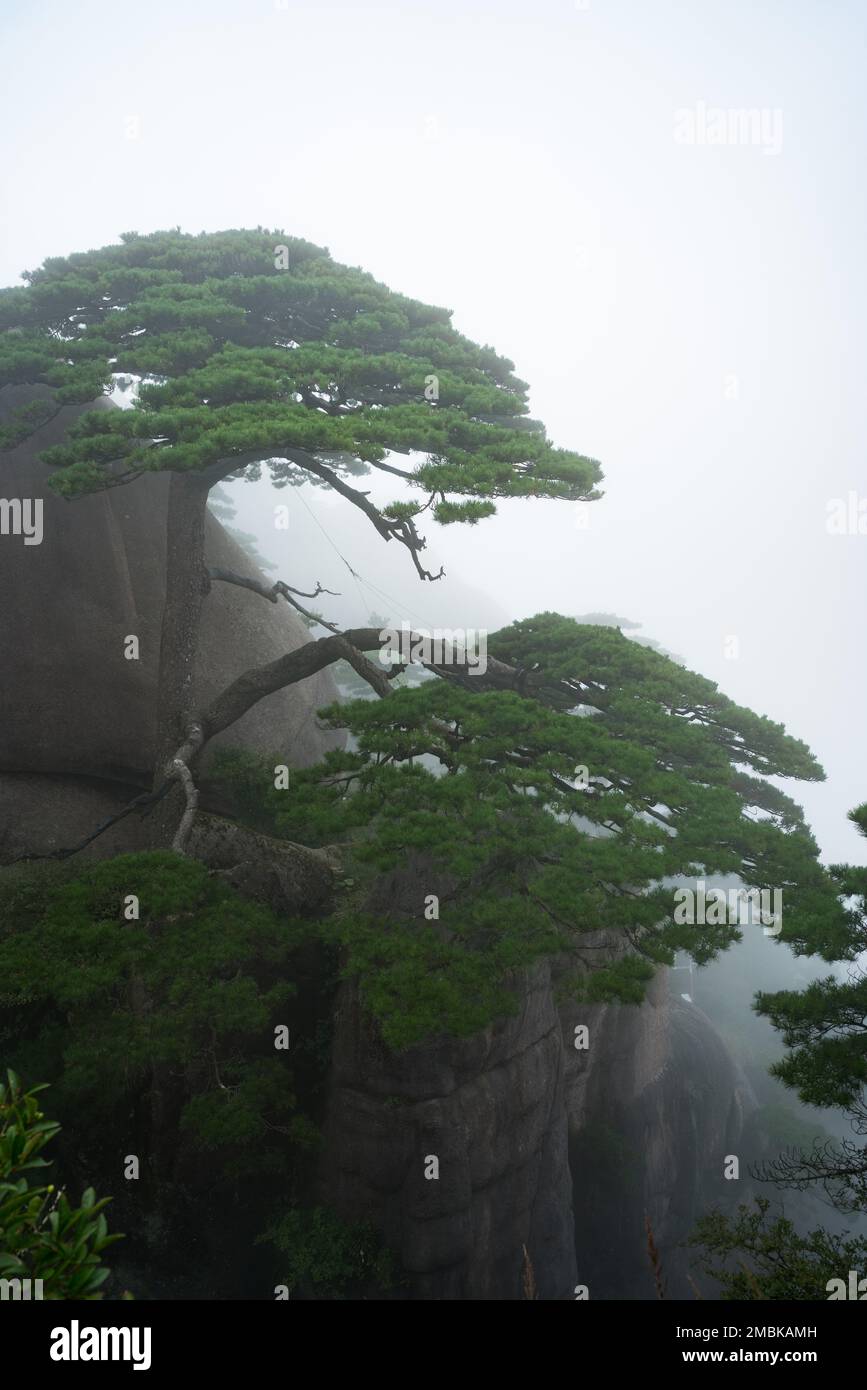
(492, 1111)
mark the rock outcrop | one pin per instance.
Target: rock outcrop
(76, 717)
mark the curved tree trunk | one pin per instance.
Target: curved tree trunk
(186, 586)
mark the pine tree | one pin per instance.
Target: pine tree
(257, 349)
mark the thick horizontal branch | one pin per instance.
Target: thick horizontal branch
(255, 684)
(306, 661)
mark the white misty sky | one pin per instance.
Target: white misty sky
(690, 315)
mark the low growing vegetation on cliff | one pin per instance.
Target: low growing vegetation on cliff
(321, 1256)
(156, 984)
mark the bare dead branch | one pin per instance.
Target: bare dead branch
(277, 590)
(314, 617)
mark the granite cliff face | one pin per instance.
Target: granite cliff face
(492, 1111)
(540, 1145)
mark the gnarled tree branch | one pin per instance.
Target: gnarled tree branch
(254, 685)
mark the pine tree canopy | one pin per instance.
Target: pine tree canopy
(479, 788)
(253, 347)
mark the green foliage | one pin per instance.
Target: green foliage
(644, 688)
(824, 1025)
(249, 351)
(757, 1256)
(21, 423)
(192, 988)
(472, 512)
(42, 1236)
(322, 1257)
(478, 792)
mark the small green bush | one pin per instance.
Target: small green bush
(42, 1236)
(321, 1257)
